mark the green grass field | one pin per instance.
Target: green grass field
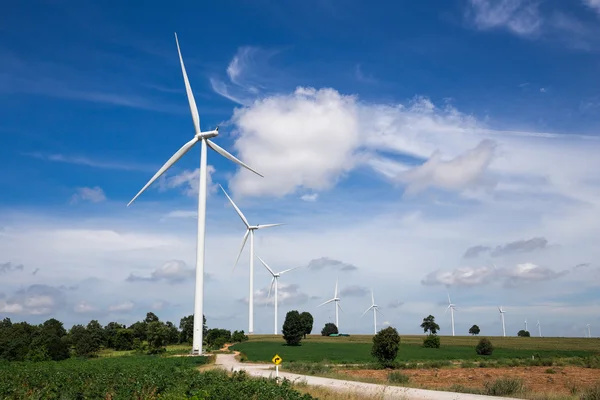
(357, 349)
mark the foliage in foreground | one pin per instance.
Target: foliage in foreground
(385, 345)
(484, 347)
(431, 342)
(134, 378)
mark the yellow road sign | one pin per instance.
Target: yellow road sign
(277, 360)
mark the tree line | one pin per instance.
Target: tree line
(50, 340)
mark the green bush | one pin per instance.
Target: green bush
(484, 347)
(239, 336)
(523, 333)
(432, 342)
(504, 387)
(385, 345)
(397, 377)
(328, 329)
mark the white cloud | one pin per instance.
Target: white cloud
(310, 197)
(174, 271)
(188, 181)
(94, 195)
(33, 300)
(83, 307)
(521, 17)
(287, 294)
(181, 214)
(593, 4)
(122, 307)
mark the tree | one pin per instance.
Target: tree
(158, 335)
(307, 322)
(186, 326)
(484, 347)
(328, 329)
(430, 325)
(523, 333)
(173, 333)
(385, 345)
(474, 330)
(85, 342)
(123, 339)
(293, 329)
(51, 341)
(110, 333)
(96, 333)
(139, 330)
(151, 317)
(239, 336)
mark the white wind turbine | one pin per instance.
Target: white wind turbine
(275, 282)
(375, 309)
(451, 307)
(589, 331)
(337, 305)
(502, 315)
(526, 325)
(539, 328)
(204, 139)
(249, 232)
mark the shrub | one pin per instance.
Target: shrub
(385, 345)
(484, 347)
(591, 393)
(432, 342)
(328, 329)
(239, 336)
(474, 330)
(523, 333)
(293, 329)
(397, 377)
(504, 387)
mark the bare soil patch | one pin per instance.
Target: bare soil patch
(536, 379)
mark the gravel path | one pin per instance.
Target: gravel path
(228, 362)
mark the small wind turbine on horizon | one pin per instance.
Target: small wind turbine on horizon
(589, 331)
(451, 307)
(336, 299)
(275, 282)
(539, 328)
(249, 232)
(526, 325)
(204, 139)
(375, 309)
(502, 315)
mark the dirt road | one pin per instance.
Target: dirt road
(228, 362)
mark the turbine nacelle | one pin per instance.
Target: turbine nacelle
(208, 134)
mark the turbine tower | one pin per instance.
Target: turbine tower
(375, 309)
(275, 281)
(539, 328)
(336, 299)
(249, 232)
(502, 315)
(589, 331)
(451, 307)
(204, 139)
(526, 325)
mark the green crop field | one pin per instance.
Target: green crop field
(357, 349)
(136, 377)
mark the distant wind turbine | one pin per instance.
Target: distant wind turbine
(249, 232)
(589, 331)
(526, 325)
(204, 139)
(502, 315)
(375, 309)
(451, 307)
(275, 282)
(539, 328)
(336, 299)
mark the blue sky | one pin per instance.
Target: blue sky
(392, 139)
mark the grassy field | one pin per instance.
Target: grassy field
(357, 349)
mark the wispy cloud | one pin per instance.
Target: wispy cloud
(188, 181)
(520, 17)
(89, 162)
(10, 267)
(94, 195)
(518, 246)
(360, 75)
(328, 263)
(174, 271)
(593, 4)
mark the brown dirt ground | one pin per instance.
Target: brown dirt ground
(535, 379)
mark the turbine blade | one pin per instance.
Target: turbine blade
(226, 154)
(174, 158)
(449, 302)
(372, 297)
(327, 302)
(336, 288)
(288, 270)
(377, 310)
(239, 212)
(271, 287)
(241, 249)
(267, 226)
(266, 266)
(366, 311)
(338, 304)
(190, 95)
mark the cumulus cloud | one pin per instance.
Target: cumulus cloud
(93, 195)
(310, 197)
(10, 267)
(287, 294)
(520, 17)
(34, 300)
(174, 271)
(518, 246)
(476, 276)
(188, 181)
(122, 307)
(83, 307)
(181, 214)
(354, 291)
(475, 251)
(464, 171)
(328, 263)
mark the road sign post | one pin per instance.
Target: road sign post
(277, 360)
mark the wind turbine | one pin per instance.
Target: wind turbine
(589, 332)
(452, 307)
(526, 325)
(204, 139)
(337, 305)
(502, 315)
(249, 232)
(539, 328)
(375, 309)
(275, 281)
